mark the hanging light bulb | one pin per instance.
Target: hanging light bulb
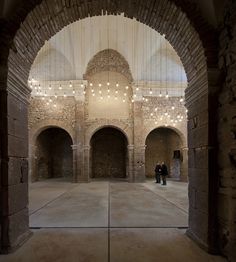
(123, 100)
(93, 94)
(146, 99)
(117, 84)
(125, 94)
(150, 91)
(60, 87)
(70, 84)
(50, 100)
(160, 94)
(137, 88)
(64, 95)
(91, 84)
(73, 91)
(181, 99)
(151, 114)
(135, 95)
(100, 91)
(55, 95)
(108, 90)
(127, 87)
(108, 96)
(132, 100)
(173, 108)
(92, 90)
(167, 95)
(54, 105)
(155, 109)
(99, 84)
(108, 83)
(116, 98)
(186, 110)
(155, 122)
(43, 98)
(50, 88)
(81, 85)
(39, 87)
(166, 114)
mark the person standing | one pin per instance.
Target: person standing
(158, 173)
(164, 173)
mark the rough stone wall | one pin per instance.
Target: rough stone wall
(227, 136)
(64, 112)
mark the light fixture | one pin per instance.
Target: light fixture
(108, 83)
(181, 99)
(60, 87)
(117, 84)
(160, 94)
(70, 84)
(73, 91)
(127, 87)
(173, 108)
(150, 91)
(123, 100)
(91, 84)
(99, 84)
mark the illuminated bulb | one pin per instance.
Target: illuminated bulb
(151, 114)
(143, 98)
(39, 86)
(174, 124)
(43, 98)
(108, 90)
(99, 84)
(181, 99)
(116, 92)
(50, 87)
(127, 87)
(70, 85)
(160, 95)
(123, 100)
(173, 108)
(115, 97)
(60, 87)
(146, 100)
(150, 92)
(166, 113)
(165, 124)
(178, 116)
(168, 116)
(37, 93)
(93, 94)
(55, 105)
(125, 94)
(35, 87)
(171, 120)
(108, 96)
(137, 88)
(101, 97)
(117, 84)
(100, 91)
(50, 100)
(55, 95)
(108, 83)
(135, 95)
(47, 103)
(64, 95)
(167, 95)
(81, 85)
(161, 118)
(91, 84)
(155, 122)
(186, 110)
(92, 90)
(156, 109)
(84, 92)
(73, 91)
(132, 100)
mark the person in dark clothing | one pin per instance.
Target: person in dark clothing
(158, 173)
(164, 173)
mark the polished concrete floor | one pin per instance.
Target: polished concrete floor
(108, 221)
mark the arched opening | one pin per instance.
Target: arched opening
(109, 154)
(197, 53)
(165, 145)
(53, 155)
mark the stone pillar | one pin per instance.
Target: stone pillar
(131, 163)
(85, 177)
(139, 164)
(75, 174)
(14, 216)
(184, 165)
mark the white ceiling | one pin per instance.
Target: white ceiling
(66, 55)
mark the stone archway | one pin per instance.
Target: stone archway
(108, 154)
(195, 44)
(163, 144)
(53, 155)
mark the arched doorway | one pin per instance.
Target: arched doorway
(108, 154)
(53, 156)
(164, 145)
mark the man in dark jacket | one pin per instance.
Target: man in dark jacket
(158, 173)
(164, 173)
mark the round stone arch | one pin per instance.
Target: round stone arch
(190, 36)
(122, 127)
(176, 130)
(183, 160)
(108, 60)
(33, 135)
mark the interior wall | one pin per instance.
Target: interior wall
(160, 146)
(109, 154)
(53, 154)
(108, 107)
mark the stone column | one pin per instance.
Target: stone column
(14, 215)
(139, 163)
(85, 177)
(32, 163)
(184, 165)
(75, 174)
(131, 163)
